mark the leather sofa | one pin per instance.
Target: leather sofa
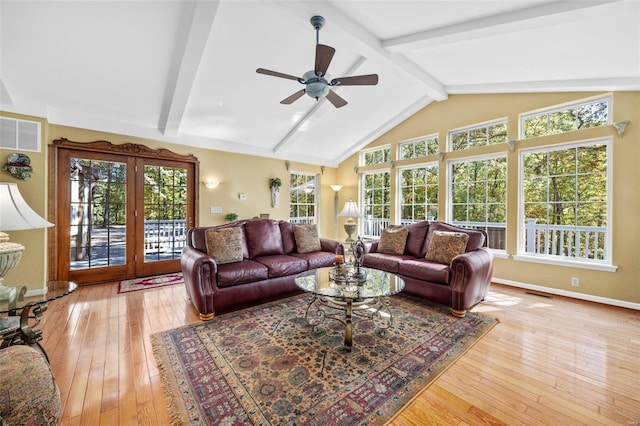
(269, 260)
(460, 284)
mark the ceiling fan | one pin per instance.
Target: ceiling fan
(315, 83)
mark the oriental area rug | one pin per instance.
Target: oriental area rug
(150, 282)
(266, 365)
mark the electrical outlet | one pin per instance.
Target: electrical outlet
(575, 282)
(215, 210)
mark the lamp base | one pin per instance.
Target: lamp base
(350, 228)
(10, 254)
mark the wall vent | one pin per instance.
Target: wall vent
(19, 135)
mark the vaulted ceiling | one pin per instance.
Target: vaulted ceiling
(185, 71)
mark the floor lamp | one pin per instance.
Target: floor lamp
(15, 215)
(336, 189)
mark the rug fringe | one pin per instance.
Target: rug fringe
(177, 413)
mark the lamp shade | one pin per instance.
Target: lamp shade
(350, 210)
(15, 213)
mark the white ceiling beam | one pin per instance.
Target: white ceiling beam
(181, 80)
(513, 21)
(366, 43)
(578, 85)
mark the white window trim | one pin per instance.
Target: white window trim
(562, 107)
(316, 182)
(522, 255)
(361, 196)
(502, 120)
(363, 153)
(414, 140)
(398, 189)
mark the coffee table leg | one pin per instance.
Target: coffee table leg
(348, 326)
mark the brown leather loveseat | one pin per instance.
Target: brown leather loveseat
(248, 261)
(438, 262)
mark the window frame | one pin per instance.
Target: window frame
(585, 263)
(486, 124)
(315, 182)
(363, 205)
(363, 154)
(413, 141)
(432, 164)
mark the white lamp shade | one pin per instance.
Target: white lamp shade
(336, 188)
(15, 213)
(350, 210)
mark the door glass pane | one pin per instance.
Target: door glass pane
(97, 213)
(165, 212)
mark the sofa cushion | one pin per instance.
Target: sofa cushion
(307, 238)
(241, 272)
(317, 259)
(288, 239)
(415, 239)
(386, 262)
(224, 245)
(476, 238)
(425, 271)
(444, 246)
(282, 265)
(263, 238)
(393, 240)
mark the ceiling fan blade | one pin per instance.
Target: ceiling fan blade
(356, 80)
(291, 99)
(336, 100)
(324, 54)
(276, 74)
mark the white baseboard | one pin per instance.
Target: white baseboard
(572, 294)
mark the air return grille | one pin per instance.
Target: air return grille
(21, 135)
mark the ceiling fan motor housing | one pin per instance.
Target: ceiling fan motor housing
(317, 87)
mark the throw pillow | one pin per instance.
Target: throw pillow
(307, 238)
(444, 246)
(393, 240)
(224, 245)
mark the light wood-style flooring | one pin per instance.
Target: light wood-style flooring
(552, 361)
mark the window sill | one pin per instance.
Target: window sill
(567, 263)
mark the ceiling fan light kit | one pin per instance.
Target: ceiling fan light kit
(316, 85)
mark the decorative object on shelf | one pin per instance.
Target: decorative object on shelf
(18, 165)
(15, 215)
(274, 185)
(230, 217)
(350, 211)
(358, 256)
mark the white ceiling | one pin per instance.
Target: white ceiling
(184, 71)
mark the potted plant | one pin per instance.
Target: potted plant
(274, 185)
(230, 217)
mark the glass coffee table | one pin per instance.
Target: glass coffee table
(338, 296)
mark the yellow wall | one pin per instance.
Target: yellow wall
(465, 110)
(237, 173)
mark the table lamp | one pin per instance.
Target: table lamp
(15, 215)
(350, 211)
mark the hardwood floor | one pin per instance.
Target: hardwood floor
(549, 361)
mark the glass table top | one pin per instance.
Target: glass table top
(18, 300)
(323, 282)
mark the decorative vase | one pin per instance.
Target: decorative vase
(275, 197)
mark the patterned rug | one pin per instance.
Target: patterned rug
(267, 366)
(150, 282)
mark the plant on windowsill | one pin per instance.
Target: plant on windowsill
(230, 217)
(274, 185)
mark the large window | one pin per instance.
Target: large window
(565, 119)
(418, 194)
(420, 147)
(483, 135)
(478, 196)
(565, 192)
(302, 205)
(376, 156)
(377, 202)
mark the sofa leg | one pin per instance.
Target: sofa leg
(457, 313)
(207, 317)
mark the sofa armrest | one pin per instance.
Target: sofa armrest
(370, 246)
(470, 277)
(331, 246)
(199, 273)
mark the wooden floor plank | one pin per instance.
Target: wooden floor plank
(548, 361)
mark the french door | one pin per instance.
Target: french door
(121, 216)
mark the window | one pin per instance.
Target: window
(478, 195)
(377, 202)
(418, 194)
(302, 206)
(471, 137)
(565, 201)
(377, 156)
(418, 147)
(565, 119)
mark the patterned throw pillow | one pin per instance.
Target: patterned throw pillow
(444, 246)
(393, 240)
(307, 238)
(224, 245)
